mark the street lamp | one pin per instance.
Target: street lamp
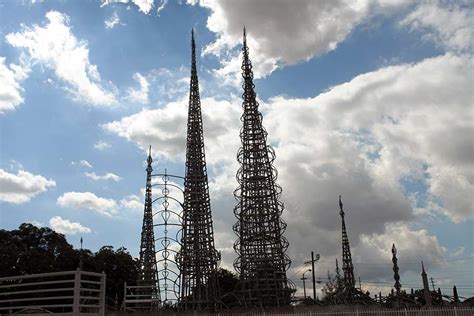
(304, 284)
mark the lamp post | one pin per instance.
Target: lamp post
(304, 284)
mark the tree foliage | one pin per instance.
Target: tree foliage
(30, 250)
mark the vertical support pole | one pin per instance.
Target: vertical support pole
(304, 286)
(314, 277)
(124, 296)
(102, 294)
(76, 303)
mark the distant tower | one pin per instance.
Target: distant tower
(261, 246)
(148, 268)
(426, 287)
(396, 276)
(347, 265)
(338, 274)
(198, 258)
(455, 294)
(81, 258)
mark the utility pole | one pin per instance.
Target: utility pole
(433, 284)
(313, 260)
(304, 284)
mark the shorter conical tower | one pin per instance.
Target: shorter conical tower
(426, 286)
(148, 269)
(455, 294)
(347, 266)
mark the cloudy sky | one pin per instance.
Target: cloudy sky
(371, 99)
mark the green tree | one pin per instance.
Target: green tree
(30, 249)
(120, 267)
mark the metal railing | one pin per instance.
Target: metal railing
(140, 298)
(69, 293)
(449, 311)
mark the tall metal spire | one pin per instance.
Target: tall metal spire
(347, 265)
(396, 276)
(148, 269)
(198, 258)
(261, 246)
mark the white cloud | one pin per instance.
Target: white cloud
(55, 47)
(132, 202)
(282, 32)
(161, 7)
(112, 21)
(448, 25)
(85, 163)
(87, 200)
(37, 224)
(139, 95)
(101, 145)
(10, 89)
(165, 129)
(107, 176)
(378, 114)
(144, 6)
(412, 246)
(15, 164)
(170, 84)
(23, 186)
(65, 226)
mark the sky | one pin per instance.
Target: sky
(372, 100)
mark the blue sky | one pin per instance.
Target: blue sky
(371, 100)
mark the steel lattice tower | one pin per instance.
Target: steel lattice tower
(198, 258)
(261, 261)
(148, 268)
(347, 266)
(396, 276)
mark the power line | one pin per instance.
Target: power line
(409, 262)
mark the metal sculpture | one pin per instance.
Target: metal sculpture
(168, 227)
(426, 287)
(345, 291)
(198, 259)
(396, 276)
(261, 246)
(148, 277)
(347, 265)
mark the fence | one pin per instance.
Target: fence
(344, 311)
(140, 298)
(67, 293)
